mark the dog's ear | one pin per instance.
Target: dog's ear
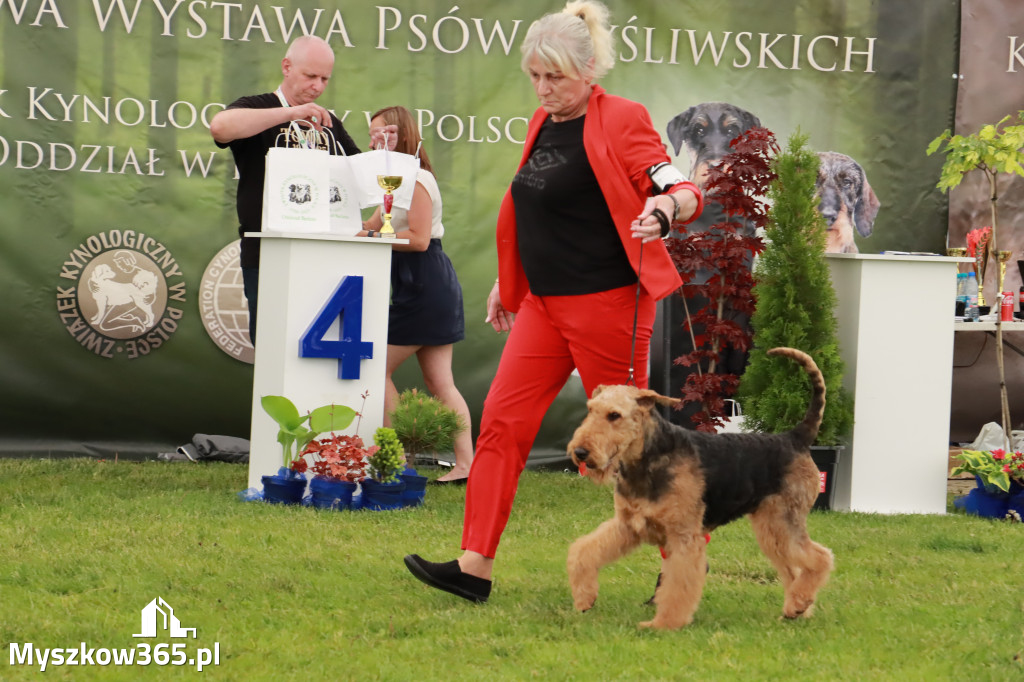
(749, 120)
(647, 399)
(867, 207)
(597, 390)
(677, 128)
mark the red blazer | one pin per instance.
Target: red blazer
(621, 144)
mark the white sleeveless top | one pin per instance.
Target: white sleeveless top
(400, 217)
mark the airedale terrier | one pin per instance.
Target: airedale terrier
(673, 485)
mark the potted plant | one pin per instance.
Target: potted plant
(794, 307)
(1000, 478)
(299, 442)
(288, 485)
(724, 253)
(383, 487)
(993, 150)
(425, 425)
(338, 463)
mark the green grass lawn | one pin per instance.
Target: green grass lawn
(296, 593)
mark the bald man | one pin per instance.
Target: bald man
(250, 126)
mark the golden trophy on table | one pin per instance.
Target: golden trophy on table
(957, 252)
(388, 183)
(1003, 257)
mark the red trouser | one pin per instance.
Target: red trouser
(551, 336)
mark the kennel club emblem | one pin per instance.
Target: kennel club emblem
(299, 193)
(222, 305)
(119, 294)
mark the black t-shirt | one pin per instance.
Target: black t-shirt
(568, 243)
(251, 159)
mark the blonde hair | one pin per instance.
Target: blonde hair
(409, 139)
(576, 41)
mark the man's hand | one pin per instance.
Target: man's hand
(312, 112)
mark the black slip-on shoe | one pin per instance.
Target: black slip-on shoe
(451, 481)
(449, 577)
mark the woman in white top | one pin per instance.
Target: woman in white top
(426, 313)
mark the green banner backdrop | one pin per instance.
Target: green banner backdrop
(122, 317)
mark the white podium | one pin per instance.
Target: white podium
(322, 297)
(895, 316)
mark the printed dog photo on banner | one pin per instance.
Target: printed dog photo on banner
(847, 201)
(706, 129)
(702, 134)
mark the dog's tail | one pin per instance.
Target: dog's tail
(807, 430)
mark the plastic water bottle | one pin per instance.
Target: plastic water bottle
(972, 297)
(961, 292)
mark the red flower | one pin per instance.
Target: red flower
(998, 453)
(978, 238)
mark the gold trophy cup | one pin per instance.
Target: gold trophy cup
(957, 252)
(388, 183)
(1003, 257)
(980, 263)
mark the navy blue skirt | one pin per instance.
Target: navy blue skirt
(426, 299)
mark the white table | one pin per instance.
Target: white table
(990, 327)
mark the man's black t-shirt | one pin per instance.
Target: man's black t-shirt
(568, 243)
(251, 158)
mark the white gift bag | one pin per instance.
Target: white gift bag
(296, 186)
(343, 197)
(368, 165)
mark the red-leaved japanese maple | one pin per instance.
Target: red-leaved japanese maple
(724, 252)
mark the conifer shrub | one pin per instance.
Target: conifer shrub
(795, 304)
(424, 424)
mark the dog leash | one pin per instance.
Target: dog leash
(666, 226)
(636, 312)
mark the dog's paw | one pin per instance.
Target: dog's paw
(664, 624)
(584, 603)
(798, 610)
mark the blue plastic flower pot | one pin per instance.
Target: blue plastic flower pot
(329, 493)
(415, 489)
(980, 502)
(280, 489)
(382, 496)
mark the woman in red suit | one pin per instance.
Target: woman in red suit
(594, 187)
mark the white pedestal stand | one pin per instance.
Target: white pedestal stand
(299, 274)
(895, 317)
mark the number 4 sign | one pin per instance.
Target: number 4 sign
(345, 304)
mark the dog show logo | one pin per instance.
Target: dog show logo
(122, 294)
(222, 305)
(299, 193)
(338, 194)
